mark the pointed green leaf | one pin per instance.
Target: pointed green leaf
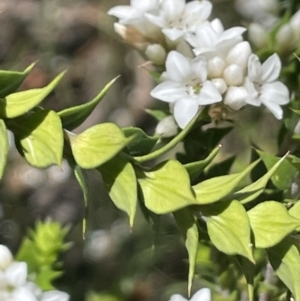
(187, 225)
(252, 191)
(4, 146)
(295, 212)
(270, 223)
(97, 144)
(141, 144)
(119, 178)
(229, 228)
(157, 114)
(215, 189)
(11, 80)
(39, 137)
(73, 117)
(166, 188)
(18, 103)
(283, 176)
(285, 261)
(195, 168)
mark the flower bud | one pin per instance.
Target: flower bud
(6, 257)
(220, 84)
(233, 75)
(239, 54)
(295, 24)
(236, 97)
(167, 127)
(156, 53)
(215, 67)
(285, 39)
(257, 35)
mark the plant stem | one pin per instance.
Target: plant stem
(170, 145)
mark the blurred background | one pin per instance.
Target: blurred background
(113, 262)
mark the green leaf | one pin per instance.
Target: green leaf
(119, 177)
(4, 146)
(39, 136)
(187, 225)
(73, 117)
(252, 191)
(195, 168)
(271, 222)
(159, 115)
(11, 80)
(18, 103)
(166, 188)
(295, 212)
(229, 228)
(285, 261)
(45, 277)
(283, 176)
(141, 144)
(214, 189)
(97, 145)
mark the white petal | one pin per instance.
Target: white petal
(6, 257)
(233, 75)
(209, 94)
(172, 9)
(55, 296)
(239, 54)
(217, 25)
(220, 84)
(156, 20)
(271, 68)
(173, 33)
(275, 92)
(16, 274)
(232, 33)
(169, 91)
(178, 67)
(202, 9)
(202, 295)
(254, 68)
(124, 12)
(23, 294)
(184, 111)
(177, 297)
(199, 66)
(235, 97)
(207, 36)
(253, 96)
(274, 108)
(144, 5)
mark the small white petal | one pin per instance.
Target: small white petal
(229, 38)
(220, 84)
(22, 294)
(253, 96)
(145, 5)
(217, 25)
(202, 9)
(6, 257)
(156, 20)
(172, 9)
(209, 94)
(207, 36)
(199, 66)
(55, 296)
(254, 68)
(275, 92)
(16, 274)
(202, 295)
(239, 54)
(185, 109)
(124, 12)
(177, 297)
(177, 66)
(233, 75)
(169, 91)
(274, 108)
(235, 97)
(271, 68)
(215, 67)
(173, 33)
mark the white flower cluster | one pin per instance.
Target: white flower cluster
(221, 67)
(202, 295)
(14, 285)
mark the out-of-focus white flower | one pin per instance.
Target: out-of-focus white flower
(258, 35)
(176, 18)
(166, 127)
(156, 53)
(295, 24)
(262, 86)
(202, 295)
(54, 296)
(6, 257)
(187, 87)
(285, 38)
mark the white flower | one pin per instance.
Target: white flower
(202, 295)
(262, 86)
(54, 296)
(6, 257)
(176, 18)
(187, 87)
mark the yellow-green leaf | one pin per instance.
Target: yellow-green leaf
(3, 147)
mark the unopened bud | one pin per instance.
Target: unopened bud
(233, 75)
(215, 67)
(295, 24)
(239, 54)
(285, 39)
(167, 127)
(220, 84)
(236, 97)
(257, 35)
(156, 53)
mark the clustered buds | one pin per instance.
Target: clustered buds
(14, 284)
(205, 64)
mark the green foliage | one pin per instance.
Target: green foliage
(40, 250)
(3, 146)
